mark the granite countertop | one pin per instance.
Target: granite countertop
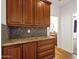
(25, 40)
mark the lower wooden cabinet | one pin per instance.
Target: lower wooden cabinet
(12, 52)
(29, 51)
(43, 49)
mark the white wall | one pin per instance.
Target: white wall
(65, 28)
(54, 9)
(3, 11)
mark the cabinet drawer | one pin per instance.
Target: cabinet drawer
(45, 42)
(47, 57)
(45, 53)
(45, 47)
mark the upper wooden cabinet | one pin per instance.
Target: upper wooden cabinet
(28, 8)
(14, 12)
(28, 13)
(42, 13)
(46, 14)
(38, 13)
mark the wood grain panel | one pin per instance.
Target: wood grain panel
(29, 51)
(45, 42)
(14, 12)
(39, 13)
(45, 53)
(47, 14)
(45, 47)
(12, 52)
(42, 13)
(28, 9)
(47, 57)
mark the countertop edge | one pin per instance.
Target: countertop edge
(23, 42)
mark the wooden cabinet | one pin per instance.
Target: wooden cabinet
(20, 12)
(47, 14)
(42, 13)
(28, 8)
(24, 51)
(45, 49)
(39, 19)
(12, 52)
(14, 12)
(29, 51)
(28, 13)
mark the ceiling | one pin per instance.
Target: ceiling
(60, 2)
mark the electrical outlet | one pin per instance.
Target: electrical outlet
(28, 30)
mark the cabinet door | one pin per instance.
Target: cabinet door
(28, 16)
(14, 12)
(47, 14)
(39, 18)
(42, 13)
(29, 51)
(11, 52)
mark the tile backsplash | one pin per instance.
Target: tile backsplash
(22, 32)
(4, 33)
